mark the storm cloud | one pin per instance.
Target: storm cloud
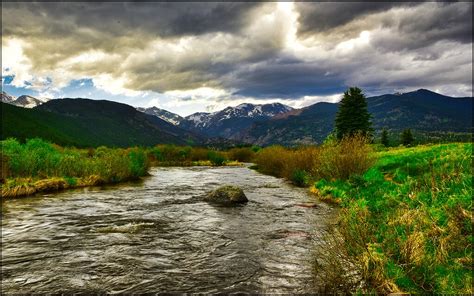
(236, 51)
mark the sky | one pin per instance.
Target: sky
(190, 57)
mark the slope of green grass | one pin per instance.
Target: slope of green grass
(408, 219)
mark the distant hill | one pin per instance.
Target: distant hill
(231, 121)
(91, 123)
(427, 113)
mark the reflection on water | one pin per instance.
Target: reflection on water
(158, 235)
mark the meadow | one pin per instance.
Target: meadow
(406, 213)
(407, 221)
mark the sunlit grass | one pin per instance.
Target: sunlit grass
(408, 219)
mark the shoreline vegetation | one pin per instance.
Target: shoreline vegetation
(38, 166)
(405, 212)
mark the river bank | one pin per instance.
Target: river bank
(37, 166)
(405, 221)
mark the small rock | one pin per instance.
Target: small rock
(227, 195)
(307, 205)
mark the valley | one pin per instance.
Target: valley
(431, 116)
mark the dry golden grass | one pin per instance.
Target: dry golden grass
(336, 160)
(340, 160)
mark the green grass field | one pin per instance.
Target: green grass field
(408, 220)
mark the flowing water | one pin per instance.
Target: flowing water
(158, 236)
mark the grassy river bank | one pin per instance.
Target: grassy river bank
(38, 166)
(406, 213)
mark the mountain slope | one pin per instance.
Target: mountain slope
(309, 125)
(170, 117)
(6, 98)
(421, 110)
(231, 121)
(90, 123)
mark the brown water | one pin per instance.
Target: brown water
(157, 236)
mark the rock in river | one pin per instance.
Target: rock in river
(227, 195)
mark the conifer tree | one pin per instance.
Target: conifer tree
(406, 137)
(353, 117)
(384, 138)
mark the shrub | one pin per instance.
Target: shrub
(340, 160)
(216, 158)
(333, 160)
(199, 153)
(138, 163)
(299, 177)
(241, 154)
(271, 160)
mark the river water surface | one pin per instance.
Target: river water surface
(158, 236)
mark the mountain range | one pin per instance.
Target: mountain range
(85, 122)
(231, 121)
(428, 113)
(91, 123)
(22, 101)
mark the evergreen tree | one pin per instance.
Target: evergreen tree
(406, 137)
(384, 138)
(353, 116)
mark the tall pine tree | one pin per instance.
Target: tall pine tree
(384, 138)
(406, 138)
(353, 117)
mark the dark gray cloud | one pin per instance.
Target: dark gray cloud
(159, 19)
(259, 50)
(422, 27)
(410, 25)
(284, 78)
(324, 16)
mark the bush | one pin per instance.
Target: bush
(271, 160)
(333, 160)
(216, 158)
(199, 153)
(241, 154)
(299, 178)
(340, 160)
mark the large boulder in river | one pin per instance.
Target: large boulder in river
(227, 195)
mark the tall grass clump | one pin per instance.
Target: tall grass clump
(342, 159)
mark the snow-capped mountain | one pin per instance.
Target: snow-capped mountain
(170, 117)
(6, 98)
(199, 119)
(28, 101)
(24, 101)
(251, 110)
(232, 120)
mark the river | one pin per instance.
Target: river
(157, 235)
